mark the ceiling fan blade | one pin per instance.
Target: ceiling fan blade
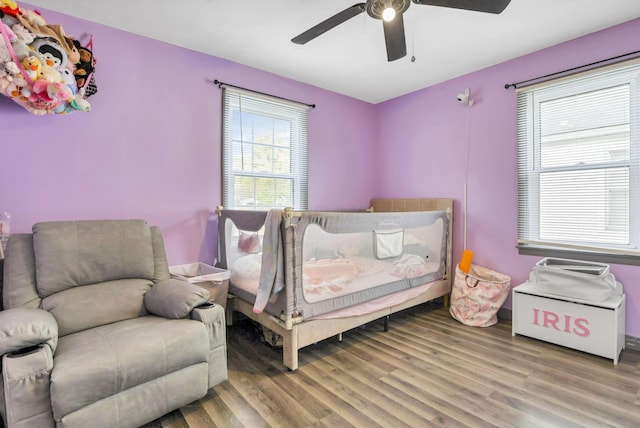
(488, 6)
(329, 23)
(394, 38)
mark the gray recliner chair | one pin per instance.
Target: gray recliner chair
(95, 333)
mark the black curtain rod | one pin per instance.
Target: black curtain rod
(515, 85)
(221, 84)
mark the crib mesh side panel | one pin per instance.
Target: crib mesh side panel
(243, 259)
(251, 221)
(342, 259)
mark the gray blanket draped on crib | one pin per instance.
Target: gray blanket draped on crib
(271, 275)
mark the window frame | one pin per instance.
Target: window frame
(529, 171)
(240, 102)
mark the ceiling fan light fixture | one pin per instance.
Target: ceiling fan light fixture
(386, 10)
(388, 14)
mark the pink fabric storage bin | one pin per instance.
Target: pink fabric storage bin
(477, 296)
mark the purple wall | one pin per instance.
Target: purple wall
(423, 140)
(151, 146)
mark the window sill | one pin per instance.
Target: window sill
(591, 256)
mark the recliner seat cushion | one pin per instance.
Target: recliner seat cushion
(72, 253)
(94, 364)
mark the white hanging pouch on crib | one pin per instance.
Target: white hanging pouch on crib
(388, 243)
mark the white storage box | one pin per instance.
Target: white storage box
(208, 277)
(594, 327)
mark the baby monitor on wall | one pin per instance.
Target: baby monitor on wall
(464, 98)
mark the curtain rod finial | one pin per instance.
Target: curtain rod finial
(509, 85)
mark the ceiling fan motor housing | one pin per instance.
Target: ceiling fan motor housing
(376, 7)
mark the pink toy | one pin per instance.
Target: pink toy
(59, 92)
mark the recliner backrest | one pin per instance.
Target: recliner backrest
(86, 273)
(73, 253)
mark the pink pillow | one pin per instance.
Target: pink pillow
(249, 243)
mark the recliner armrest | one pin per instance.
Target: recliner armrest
(173, 298)
(212, 316)
(25, 327)
(209, 313)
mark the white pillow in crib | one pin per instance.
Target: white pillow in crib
(247, 267)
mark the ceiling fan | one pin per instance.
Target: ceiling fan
(390, 12)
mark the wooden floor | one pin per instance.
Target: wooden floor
(427, 370)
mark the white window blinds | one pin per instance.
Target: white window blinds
(579, 162)
(264, 152)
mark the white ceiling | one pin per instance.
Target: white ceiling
(351, 59)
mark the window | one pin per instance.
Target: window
(264, 152)
(579, 166)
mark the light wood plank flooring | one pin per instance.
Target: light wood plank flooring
(428, 370)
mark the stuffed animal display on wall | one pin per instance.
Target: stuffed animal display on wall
(41, 68)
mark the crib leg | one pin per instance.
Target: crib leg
(386, 323)
(290, 349)
(229, 310)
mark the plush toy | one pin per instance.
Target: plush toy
(5, 80)
(59, 92)
(32, 66)
(52, 52)
(23, 33)
(12, 69)
(39, 91)
(36, 70)
(24, 38)
(50, 92)
(85, 66)
(74, 55)
(9, 7)
(79, 102)
(9, 20)
(25, 92)
(15, 91)
(69, 79)
(12, 74)
(57, 32)
(50, 74)
(5, 56)
(31, 17)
